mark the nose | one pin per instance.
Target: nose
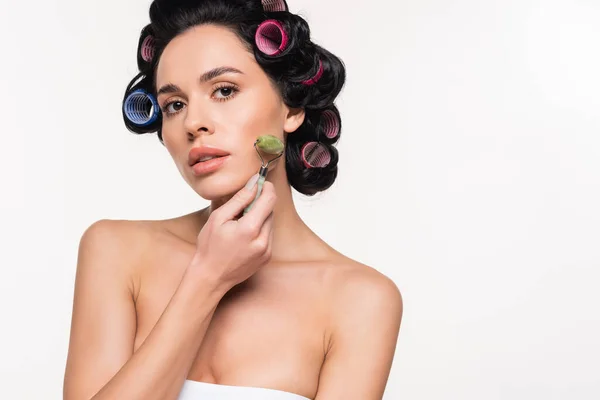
(197, 121)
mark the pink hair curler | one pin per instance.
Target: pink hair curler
(147, 49)
(330, 124)
(271, 38)
(316, 77)
(274, 5)
(315, 155)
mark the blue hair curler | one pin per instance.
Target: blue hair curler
(141, 108)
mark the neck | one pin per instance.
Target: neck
(292, 238)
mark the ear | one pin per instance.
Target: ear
(293, 119)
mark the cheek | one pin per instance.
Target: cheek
(173, 134)
(169, 143)
(175, 149)
(258, 115)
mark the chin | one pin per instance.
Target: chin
(218, 185)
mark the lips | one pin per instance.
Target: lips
(203, 153)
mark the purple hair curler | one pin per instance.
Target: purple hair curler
(316, 77)
(141, 108)
(271, 37)
(315, 155)
(274, 5)
(330, 124)
(147, 49)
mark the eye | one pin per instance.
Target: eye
(173, 107)
(226, 91)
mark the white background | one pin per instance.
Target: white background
(469, 174)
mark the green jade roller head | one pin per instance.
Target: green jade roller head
(271, 145)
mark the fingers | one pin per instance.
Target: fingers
(237, 203)
(254, 220)
(266, 230)
(265, 237)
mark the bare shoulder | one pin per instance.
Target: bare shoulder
(117, 237)
(115, 232)
(355, 284)
(132, 237)
(119, 245)
(133, 244)
(365, 311)
(360, 294)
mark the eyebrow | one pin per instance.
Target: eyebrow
(205, 77)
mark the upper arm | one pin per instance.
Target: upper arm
(366, 324)
(103, 321)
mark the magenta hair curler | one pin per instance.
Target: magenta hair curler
(330, 123)
(315, 155)
(147, 49)
(316, 77)
(274, 5)
(271, 37)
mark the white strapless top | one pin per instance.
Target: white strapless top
(194, 390)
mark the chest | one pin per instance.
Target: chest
(269, 332)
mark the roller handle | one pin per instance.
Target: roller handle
(262, 176)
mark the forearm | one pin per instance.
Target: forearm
(158, 369)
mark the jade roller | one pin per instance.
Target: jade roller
(271, 145)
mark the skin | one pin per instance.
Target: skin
(310, 321)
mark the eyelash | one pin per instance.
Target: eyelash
(233, 88)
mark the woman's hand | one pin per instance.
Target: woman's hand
(231, 250)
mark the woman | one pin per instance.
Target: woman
(218, 303)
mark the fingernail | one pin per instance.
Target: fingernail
(252, 182)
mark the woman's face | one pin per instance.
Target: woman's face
(225, 111)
